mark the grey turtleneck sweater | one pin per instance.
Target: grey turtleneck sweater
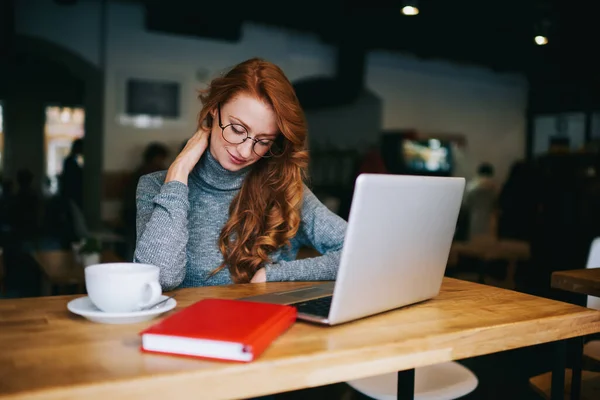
(178, 228)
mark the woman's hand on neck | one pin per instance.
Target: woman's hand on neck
(188, 157)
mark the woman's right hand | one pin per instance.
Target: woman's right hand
(188, 157)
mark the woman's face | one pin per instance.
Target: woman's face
(242, 114)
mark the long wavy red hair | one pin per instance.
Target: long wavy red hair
(265, 214)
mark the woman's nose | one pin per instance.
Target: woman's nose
(245, 148)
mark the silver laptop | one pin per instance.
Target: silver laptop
(395, 252)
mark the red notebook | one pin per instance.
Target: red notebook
(220, 329)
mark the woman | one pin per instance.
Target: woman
(233, 207)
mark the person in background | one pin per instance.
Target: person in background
(480, 201)
(233, 206)
(72, 174)
(63, 223)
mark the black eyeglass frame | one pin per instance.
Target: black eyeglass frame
(269, 152)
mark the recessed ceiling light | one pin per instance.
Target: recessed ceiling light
(540, 40)
(410, 10)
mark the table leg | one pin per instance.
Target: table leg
(511, 271)
(481, 265)
(406, 384)
(576, 368)
(46, 287)
(557, 388)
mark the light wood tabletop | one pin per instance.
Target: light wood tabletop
(584, 281)
(48, 353)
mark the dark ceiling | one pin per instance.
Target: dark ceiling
(497, 34)
(564, 74)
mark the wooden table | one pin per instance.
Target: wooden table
(489, 248)
(48, 353)
(584, 281)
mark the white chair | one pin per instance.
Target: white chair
(444, 381)
(592, 349)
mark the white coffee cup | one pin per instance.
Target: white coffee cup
(122, 287)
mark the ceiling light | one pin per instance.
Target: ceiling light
(540, 40)
(410, 10)
(410, 7)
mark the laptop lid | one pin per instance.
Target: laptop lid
(397, 243)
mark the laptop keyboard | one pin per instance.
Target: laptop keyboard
(319, 307)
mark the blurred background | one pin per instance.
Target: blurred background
(95, 93)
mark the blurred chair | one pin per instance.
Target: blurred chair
(61, 270)
(444, 381)
(332, 173)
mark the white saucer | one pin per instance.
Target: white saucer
(83, 306)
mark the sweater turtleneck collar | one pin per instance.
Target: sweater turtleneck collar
(209, 171)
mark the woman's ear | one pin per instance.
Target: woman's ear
(213, 113)
(210, 119)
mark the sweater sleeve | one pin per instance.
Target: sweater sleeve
(162, 227)
(324, 231)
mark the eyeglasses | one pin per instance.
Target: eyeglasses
(238, 134)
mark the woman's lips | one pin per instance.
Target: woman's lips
(236, 160)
